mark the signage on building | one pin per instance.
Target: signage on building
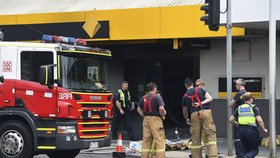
(198, 44)
(253, 85)
(72, 29)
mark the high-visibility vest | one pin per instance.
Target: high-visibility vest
(246, 115)
(122, 97)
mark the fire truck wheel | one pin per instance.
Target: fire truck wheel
(64, 153)
(16, 140)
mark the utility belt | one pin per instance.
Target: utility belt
(151, 115)
(127, 105)
(248, 127)
(199, 108)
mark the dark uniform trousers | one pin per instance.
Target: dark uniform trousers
(250, 140)
(239, 149)
(209, 128)
(118, 117)
(153, 133)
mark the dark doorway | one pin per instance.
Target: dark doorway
(174, 74)
(169, 75)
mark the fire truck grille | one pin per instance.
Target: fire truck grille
(92, 126)
(93, 133)
(93, 129)
(93, 105)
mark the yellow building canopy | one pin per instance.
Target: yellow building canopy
(162, 22)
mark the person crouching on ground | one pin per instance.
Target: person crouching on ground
(248, 119)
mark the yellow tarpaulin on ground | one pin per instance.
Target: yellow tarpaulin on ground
(266, 141)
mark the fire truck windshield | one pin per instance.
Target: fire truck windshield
(83, 72)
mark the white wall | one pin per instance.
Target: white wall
(213, 63)
(249, 10)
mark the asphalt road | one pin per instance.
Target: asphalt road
(90, 156)
(105, 152)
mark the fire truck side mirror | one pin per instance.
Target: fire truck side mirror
(46, 75)
(2, 79)
(58, 82)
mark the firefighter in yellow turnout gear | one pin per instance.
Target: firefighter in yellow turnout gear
(196, 101)
(200, 84)
(151, 107)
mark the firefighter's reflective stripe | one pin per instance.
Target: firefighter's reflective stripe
(157, 150)
(195, 147)
(211, 143)
(145, 150)
(152, 150)
(122, 97)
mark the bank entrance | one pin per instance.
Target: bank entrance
(165, 66)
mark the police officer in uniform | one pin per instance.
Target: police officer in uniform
(235, 103)
(122, 111)
(248, 115)
(151, 107)
(196, 102)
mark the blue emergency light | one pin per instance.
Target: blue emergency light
(71, 40)
(47, 38)
(62, 39)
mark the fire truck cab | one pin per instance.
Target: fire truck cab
(54, 98)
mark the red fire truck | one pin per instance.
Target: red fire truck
(54, 98)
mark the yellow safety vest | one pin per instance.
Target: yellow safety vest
(122, 97)
(246, 115)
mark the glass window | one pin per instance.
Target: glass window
(31, 62)
(82, 72)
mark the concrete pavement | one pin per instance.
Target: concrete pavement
(107, 151)
(222, 148)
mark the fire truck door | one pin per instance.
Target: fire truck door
(39, 99)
